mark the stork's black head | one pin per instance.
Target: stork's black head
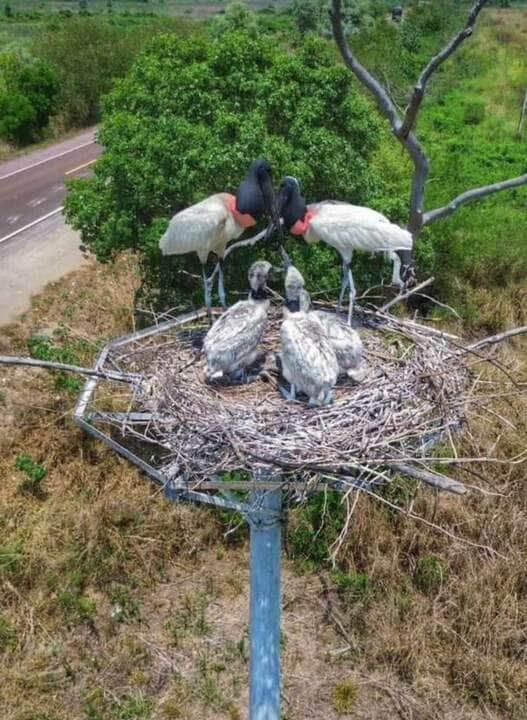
(255, 196)
(291, 204)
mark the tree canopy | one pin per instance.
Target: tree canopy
(188, 119)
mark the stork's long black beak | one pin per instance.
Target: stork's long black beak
(269, 197)
(287, 260)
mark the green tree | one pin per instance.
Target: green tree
(187, 121)
(28, 88)
(88, 54)
(237, 16)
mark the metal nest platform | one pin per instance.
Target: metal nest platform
(200, 441)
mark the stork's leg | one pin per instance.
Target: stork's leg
(396, 271)
(353, 294)
(289, 395)
(221, 286)
(344, 284)
(207, 293)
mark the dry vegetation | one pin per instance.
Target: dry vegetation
(115, 605)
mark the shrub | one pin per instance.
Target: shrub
(187, 121)
(34, 474)
(474, 112)
(429, 575)
(88, 54)
(28, 88)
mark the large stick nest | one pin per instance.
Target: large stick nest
(416, 388)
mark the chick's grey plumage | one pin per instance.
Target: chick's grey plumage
(345, 341)
(309, 363)
(231, 343)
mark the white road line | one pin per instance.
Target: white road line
(90, 162)
(31, 224)
(12, 219)
(41, 162)
(36, 201)
(57, 188)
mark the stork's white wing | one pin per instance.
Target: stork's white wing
(201, 228)
(348, 227)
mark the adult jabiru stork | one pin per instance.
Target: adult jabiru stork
(346, 228)
(209, 225)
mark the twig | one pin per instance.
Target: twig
(442, 482)
(107, 374)
(403, 296)
(523, 114)
(493, 339)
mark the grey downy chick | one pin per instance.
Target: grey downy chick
(344, 340)
(230, 345)
(309, 363)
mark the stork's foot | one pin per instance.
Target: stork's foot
(356, 375)
(289, 395)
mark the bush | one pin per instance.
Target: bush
(28, 88)
(88, 54)
(187, 121)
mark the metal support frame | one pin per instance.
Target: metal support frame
(265, 604)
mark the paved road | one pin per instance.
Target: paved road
(32, 187)
(36, 247)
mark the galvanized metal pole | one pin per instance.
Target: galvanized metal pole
(265, 604)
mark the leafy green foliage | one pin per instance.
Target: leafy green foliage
(34, 474)
(187, 121)
(28, 88)
(45, 348)
(314, 528)
(7, 634)
(237, 16)
(429, 574)
(87, 55)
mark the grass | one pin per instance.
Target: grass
(107, 589)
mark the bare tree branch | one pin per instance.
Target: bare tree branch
(470, 196)
(31, 362)
(420, 88)
(403, 296)
(387, 107)
(442, 482)
(493, 339)
(523, 114)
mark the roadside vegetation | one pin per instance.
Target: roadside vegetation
(115, 604)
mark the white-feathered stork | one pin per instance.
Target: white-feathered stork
(208, 226)
(346, 228)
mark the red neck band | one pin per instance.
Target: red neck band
(301, 226)
(243, 219)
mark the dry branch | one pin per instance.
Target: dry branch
(403, 296)
(493, 339)
(403, 127)
(441, 482)
(31, 362)
(523, 114)
(420, 87)
(387, 107)
(470, 196)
